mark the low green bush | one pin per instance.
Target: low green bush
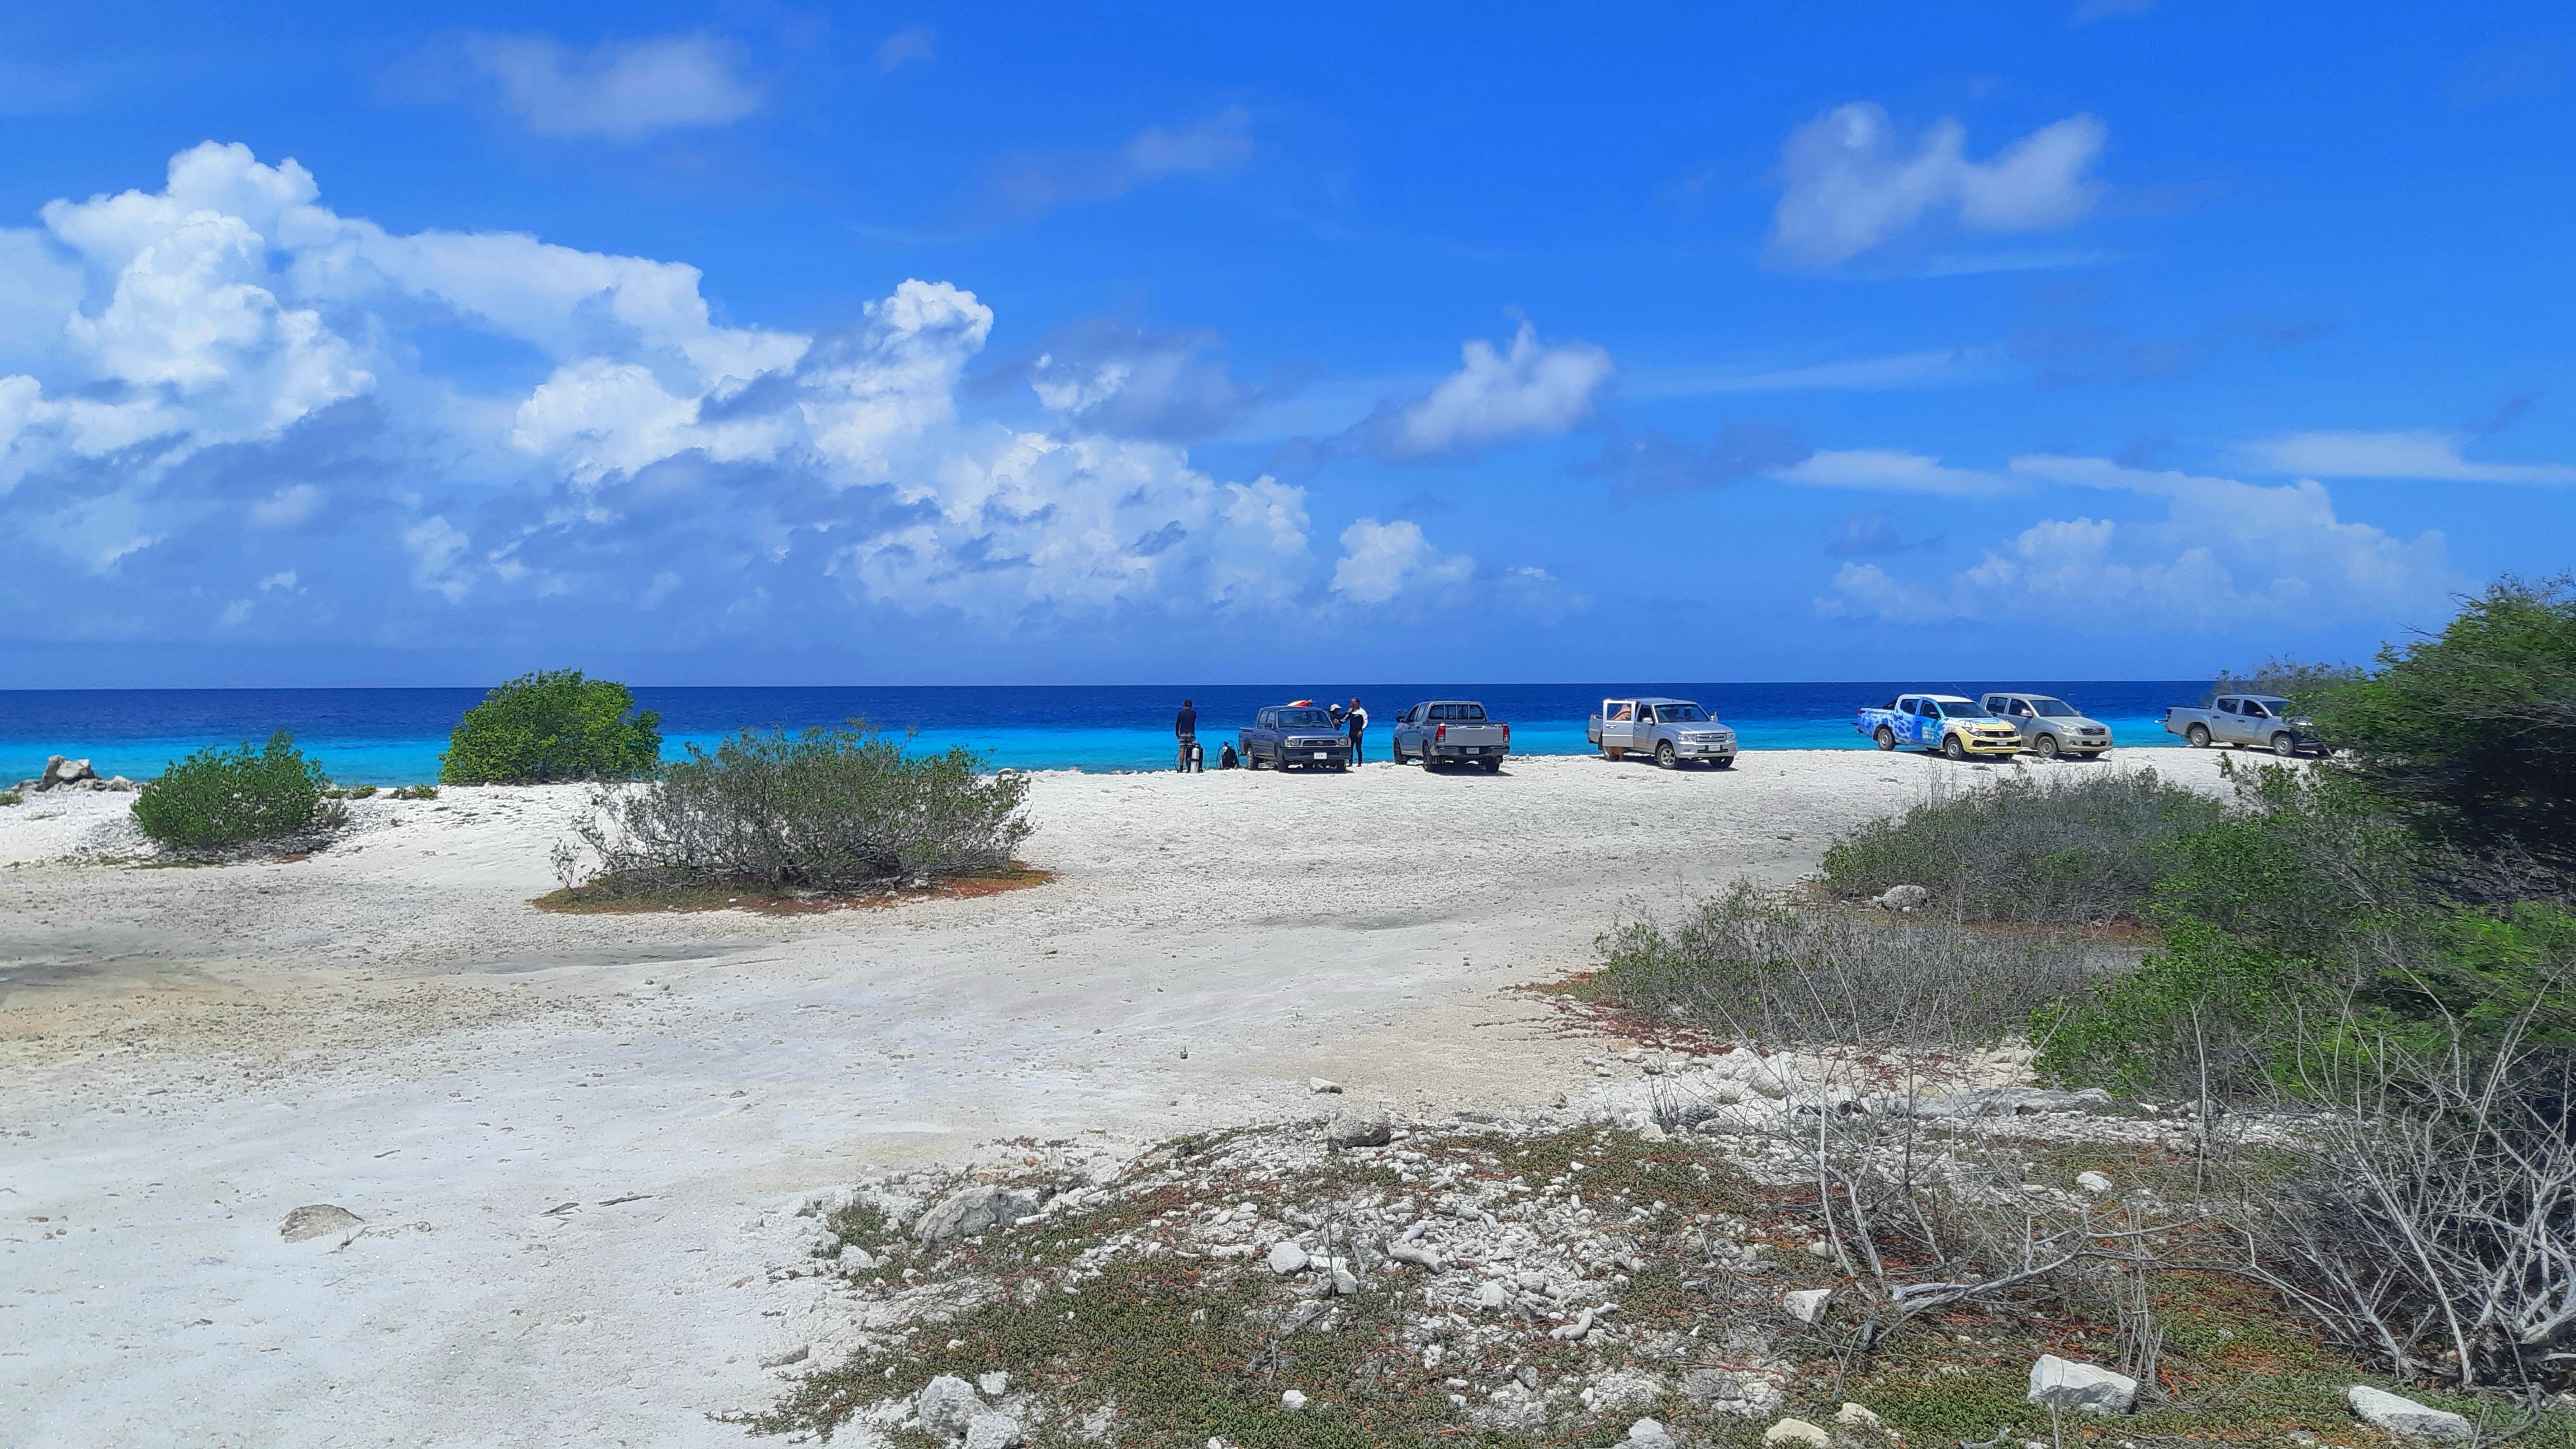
(2074, 847)
(553, 725)
(412, 792)
(823, 810)
(1764, 967)
(219, 797)
(10, 797)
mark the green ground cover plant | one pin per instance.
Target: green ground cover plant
(220, 797)
(550, 726)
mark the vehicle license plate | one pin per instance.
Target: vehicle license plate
(1323, 754)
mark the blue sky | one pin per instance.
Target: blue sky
(750, 343)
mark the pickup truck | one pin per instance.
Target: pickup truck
(2243, 720)
(1446, 731)
(1294, 736)
(1675, 731)
(2049, 726)
(1956, 726)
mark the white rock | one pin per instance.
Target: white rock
(1797, 1432)
(1807, 1305)
(945, 1404)
(2393, 1414)
(1287, 1258)
(973, 1210)
(1652, 1133)
(60, 772)
(992, 1431)
(1902, 898)
(1292, 1401)
(1648, 1434)
(1319, 1084)
(1854, 1416)
(1493, 1295)
(2064, 1384)
(313, 1220)
(794, 1355)
(855, 1259)
(2092, 1182)
(994, 1384)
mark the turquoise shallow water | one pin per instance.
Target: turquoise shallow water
(394, 736)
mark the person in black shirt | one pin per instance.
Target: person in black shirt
(1185, 725)
(1356, 719)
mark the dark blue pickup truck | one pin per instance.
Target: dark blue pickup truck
(1295, 737)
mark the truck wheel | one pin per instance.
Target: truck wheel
(1664, 754)
(1723, 762)
(2286, 745)
(1494, 765)
(1951, 749)
(2197, 736)
(1886, 738)
(2045, 747)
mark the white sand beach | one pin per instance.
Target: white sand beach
(576, 1142)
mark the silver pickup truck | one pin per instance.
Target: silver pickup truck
(1675, 731)
(2245, 720)
(1451, 731)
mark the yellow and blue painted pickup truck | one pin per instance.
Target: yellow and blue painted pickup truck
(1953, 724)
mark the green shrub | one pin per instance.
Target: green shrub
(10, 797)
(412, 792)
(2073, 847)
(826, 810)
(553, 725)
(2306, 904)
(1762, 967)
(2470, 735)
(218, 797)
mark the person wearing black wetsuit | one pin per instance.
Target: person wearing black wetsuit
(1185, 726)
(1356, 719)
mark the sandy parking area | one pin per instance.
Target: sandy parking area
(576, 1140)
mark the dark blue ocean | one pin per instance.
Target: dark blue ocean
(393, 736)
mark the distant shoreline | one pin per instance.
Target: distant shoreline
(393, 736)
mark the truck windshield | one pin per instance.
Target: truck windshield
(1962, 709)
(2055, 708)
(1679, 714)
(1304, 719)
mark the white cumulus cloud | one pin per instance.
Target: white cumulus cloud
(1528, 389)
(618, 90)
(2225, 550)
(231, 389)
(1382, 560)
(1849, 183)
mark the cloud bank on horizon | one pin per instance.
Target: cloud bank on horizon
(238, 415)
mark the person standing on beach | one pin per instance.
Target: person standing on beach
(1185, 725)
(1356, 719)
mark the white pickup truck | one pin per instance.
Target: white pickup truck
(1675, 731)
(2264, 720)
